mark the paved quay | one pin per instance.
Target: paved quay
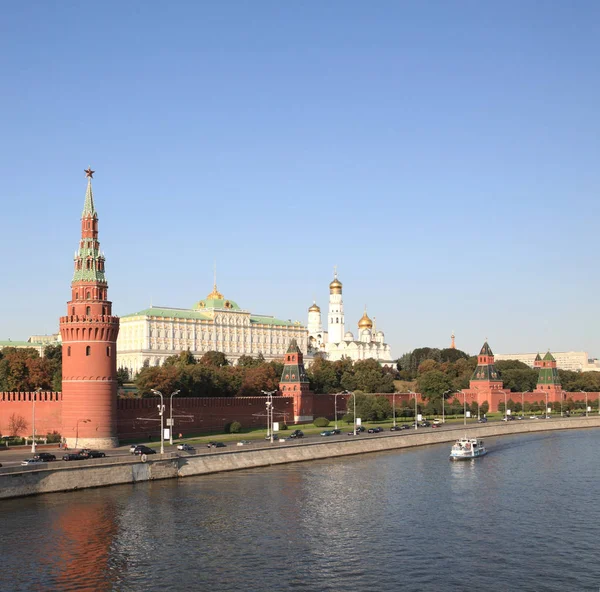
(58, 476)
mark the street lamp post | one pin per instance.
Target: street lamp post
(171, 418)
(394, 407)
(444, 404)
(416, 409)
(505, 405)
(465, 407)
(269, 405)
(546, 416)
(335, 405)
(161, 410)
(77, 429)
(37, 392)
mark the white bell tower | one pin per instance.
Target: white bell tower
(335, 320)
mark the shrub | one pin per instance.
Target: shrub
(348, 418)
(283, 427)
(53, 438)
(321, 422)
(235, 427)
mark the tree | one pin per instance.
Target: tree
(485, 407)
(16, 424)
(322, 377)
(214, 358)
(122, 376)
(433, 383)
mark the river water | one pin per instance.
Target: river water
(525, 517)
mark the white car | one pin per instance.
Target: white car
(132, 448)
(186, 447)
(437, 421)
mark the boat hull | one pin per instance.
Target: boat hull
(475, 454)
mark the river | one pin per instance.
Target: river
(525, 517)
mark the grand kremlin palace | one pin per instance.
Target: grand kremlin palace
(150, 336)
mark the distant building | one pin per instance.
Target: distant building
(337, 343)
(577, 361)
(150, 336)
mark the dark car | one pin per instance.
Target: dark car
(185, 447)
(424, 424)
(216, 445)
(374, 430)
(141, 449)
(336, 431)
(297, 434)
(360, 428)
(326, 433)
(87, 453)
(45, 457)
(396, 428)
(73, 456)
(482, 420)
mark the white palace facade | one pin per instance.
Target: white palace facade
(337, 343)
(148, 337)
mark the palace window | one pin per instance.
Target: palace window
(88, 311)
(88, 350)
(69, 350)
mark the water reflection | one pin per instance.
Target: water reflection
(410, 518)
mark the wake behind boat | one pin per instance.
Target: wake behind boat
(466, 448)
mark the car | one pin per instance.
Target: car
(396, 428)
(482, 420)
(533, 417)
(297, 434)
(216, 445)
(45, 456)
(87, 453)
(336, 431)
(360, 428)
(405, 426)
(436, 425)
(31, 461)
(520, 417)
(374, 430)
(326, 433)
(243, 442)
(133, 447)
(437, 421)
(275, 437)
(141, 449)
(185, 447)
(73, 456)
(509, 418)
(424, 424)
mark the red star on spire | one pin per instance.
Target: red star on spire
(89, 173)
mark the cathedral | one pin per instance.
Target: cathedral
(337, 343)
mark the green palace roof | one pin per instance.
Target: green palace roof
(169, 313)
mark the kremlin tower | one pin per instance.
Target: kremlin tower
(89, 335)
(294, 383)
(548, 379)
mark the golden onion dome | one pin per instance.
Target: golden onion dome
(365, 322)
(335, 287)
(314, 308)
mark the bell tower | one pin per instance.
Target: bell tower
(89, 338)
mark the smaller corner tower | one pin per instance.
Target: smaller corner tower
(89, 344)
(294, 383)
(537, 363)
(485, 375)
(548, 380)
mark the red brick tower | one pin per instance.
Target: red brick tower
(537, 363)
(89, 353)
(294, 383)
(548, 379)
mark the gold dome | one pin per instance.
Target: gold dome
(335, 287)
(314, 308)
(365, 322)
(215, 294)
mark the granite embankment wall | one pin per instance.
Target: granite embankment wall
(68, 476)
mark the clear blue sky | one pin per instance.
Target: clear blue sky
(443, 154)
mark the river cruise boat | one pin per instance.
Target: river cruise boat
(466, 448)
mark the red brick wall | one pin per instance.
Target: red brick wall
(48, 412)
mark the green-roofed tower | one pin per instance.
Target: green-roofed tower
(485, 375)
(294, 383)
(537, 363)
(548, 379)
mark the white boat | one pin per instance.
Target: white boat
(466, 448)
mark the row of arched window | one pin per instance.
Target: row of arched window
(88, 350)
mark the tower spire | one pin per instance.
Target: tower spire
(88, 206)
